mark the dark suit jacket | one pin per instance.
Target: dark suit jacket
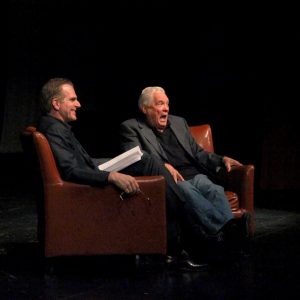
(137, 132)
(73, 161)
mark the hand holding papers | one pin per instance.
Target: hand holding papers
(122, 161)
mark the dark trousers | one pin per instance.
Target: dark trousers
(175, 200)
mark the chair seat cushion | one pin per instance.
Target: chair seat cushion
(233, 200)
(234, 204)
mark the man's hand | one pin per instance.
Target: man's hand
(126, 183)
(230, 162)
(175, 174)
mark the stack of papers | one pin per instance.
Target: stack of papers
(122, 161)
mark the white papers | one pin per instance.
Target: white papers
(122, 161)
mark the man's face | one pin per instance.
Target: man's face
(66, 105)
(157, 111)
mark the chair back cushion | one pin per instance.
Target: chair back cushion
(203, 136)
(47, 162)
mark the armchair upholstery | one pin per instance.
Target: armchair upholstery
(239, 182)
(80, 219)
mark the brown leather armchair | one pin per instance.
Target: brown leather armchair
(239, 182)
(80, 219)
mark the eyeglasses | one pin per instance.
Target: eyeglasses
(124, 196)
(125, 201)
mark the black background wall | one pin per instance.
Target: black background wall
(235, 67)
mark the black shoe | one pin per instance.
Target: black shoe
(184, 263)
(219, 237)
(237, 229)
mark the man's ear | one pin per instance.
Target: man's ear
(55, 104)
(143, 109)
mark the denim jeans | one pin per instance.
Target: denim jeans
(206, 203)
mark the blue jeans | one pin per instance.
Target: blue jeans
(206, 202)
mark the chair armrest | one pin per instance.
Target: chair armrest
(86, 220)
(241, 181)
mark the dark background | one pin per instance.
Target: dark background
(235, 67)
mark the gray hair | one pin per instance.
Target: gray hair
(146, 96)
(50, 90)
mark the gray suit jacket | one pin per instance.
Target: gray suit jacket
(137, 132)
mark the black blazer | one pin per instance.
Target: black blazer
(136, 131)
(73, 162)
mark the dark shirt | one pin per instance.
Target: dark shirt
(177, 156)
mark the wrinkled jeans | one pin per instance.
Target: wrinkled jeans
(207, 203)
